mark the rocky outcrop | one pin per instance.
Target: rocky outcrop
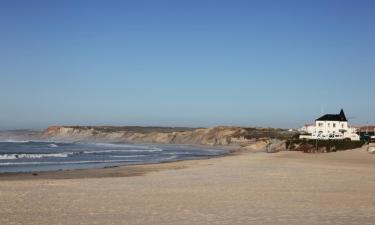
(246, 138)
(275, 145)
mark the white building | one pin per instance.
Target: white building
(330, 126)
(308, 128)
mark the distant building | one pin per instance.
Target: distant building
(308, 128)
(330, 126)
(369, 129)
(367, 132)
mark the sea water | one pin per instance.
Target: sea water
(28, 156)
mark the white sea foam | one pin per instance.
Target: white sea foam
(15, 156)
(45, 153)
(68, 162)
(14, 141)
(32, 156)
(31, 141)
(127, 156)
(171, 157)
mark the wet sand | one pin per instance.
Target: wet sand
(247, 188)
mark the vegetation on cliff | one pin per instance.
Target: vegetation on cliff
(244, 137)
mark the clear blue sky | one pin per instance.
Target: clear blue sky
(185, 63)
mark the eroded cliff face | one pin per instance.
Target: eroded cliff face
(245, 138)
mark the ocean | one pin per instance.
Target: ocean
(29, 156)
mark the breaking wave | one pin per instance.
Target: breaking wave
(66, 162)
(14, 141)
(33, 156)
(25, 155)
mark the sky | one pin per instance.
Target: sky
(185, 63)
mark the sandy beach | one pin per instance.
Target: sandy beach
(246, 188)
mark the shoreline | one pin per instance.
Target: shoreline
(140, 169)
(117, 170)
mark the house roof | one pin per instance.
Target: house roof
(334, 117)
(370, 128)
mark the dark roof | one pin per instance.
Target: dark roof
(333, 117)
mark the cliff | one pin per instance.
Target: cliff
(246, 138)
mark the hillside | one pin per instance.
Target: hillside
(244, 137)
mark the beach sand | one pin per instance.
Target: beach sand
(246, 188)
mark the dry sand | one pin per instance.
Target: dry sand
(249, 188)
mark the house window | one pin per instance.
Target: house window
(342, 125)
(320, 124)
(334, 125)
(329, 124)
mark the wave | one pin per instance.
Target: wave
(123, 150)
(33, 156)
(171, 157)
(117, 145)
(10, 141)
(67, 162)
(114, 145)
(127, 156)
(15, 141)
(14, 156)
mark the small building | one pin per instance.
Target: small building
(367, 133)
(308, 128)
(330, 126)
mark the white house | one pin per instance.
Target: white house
(330, 126)
(308, 128)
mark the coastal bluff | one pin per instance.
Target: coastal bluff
(244, 138)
